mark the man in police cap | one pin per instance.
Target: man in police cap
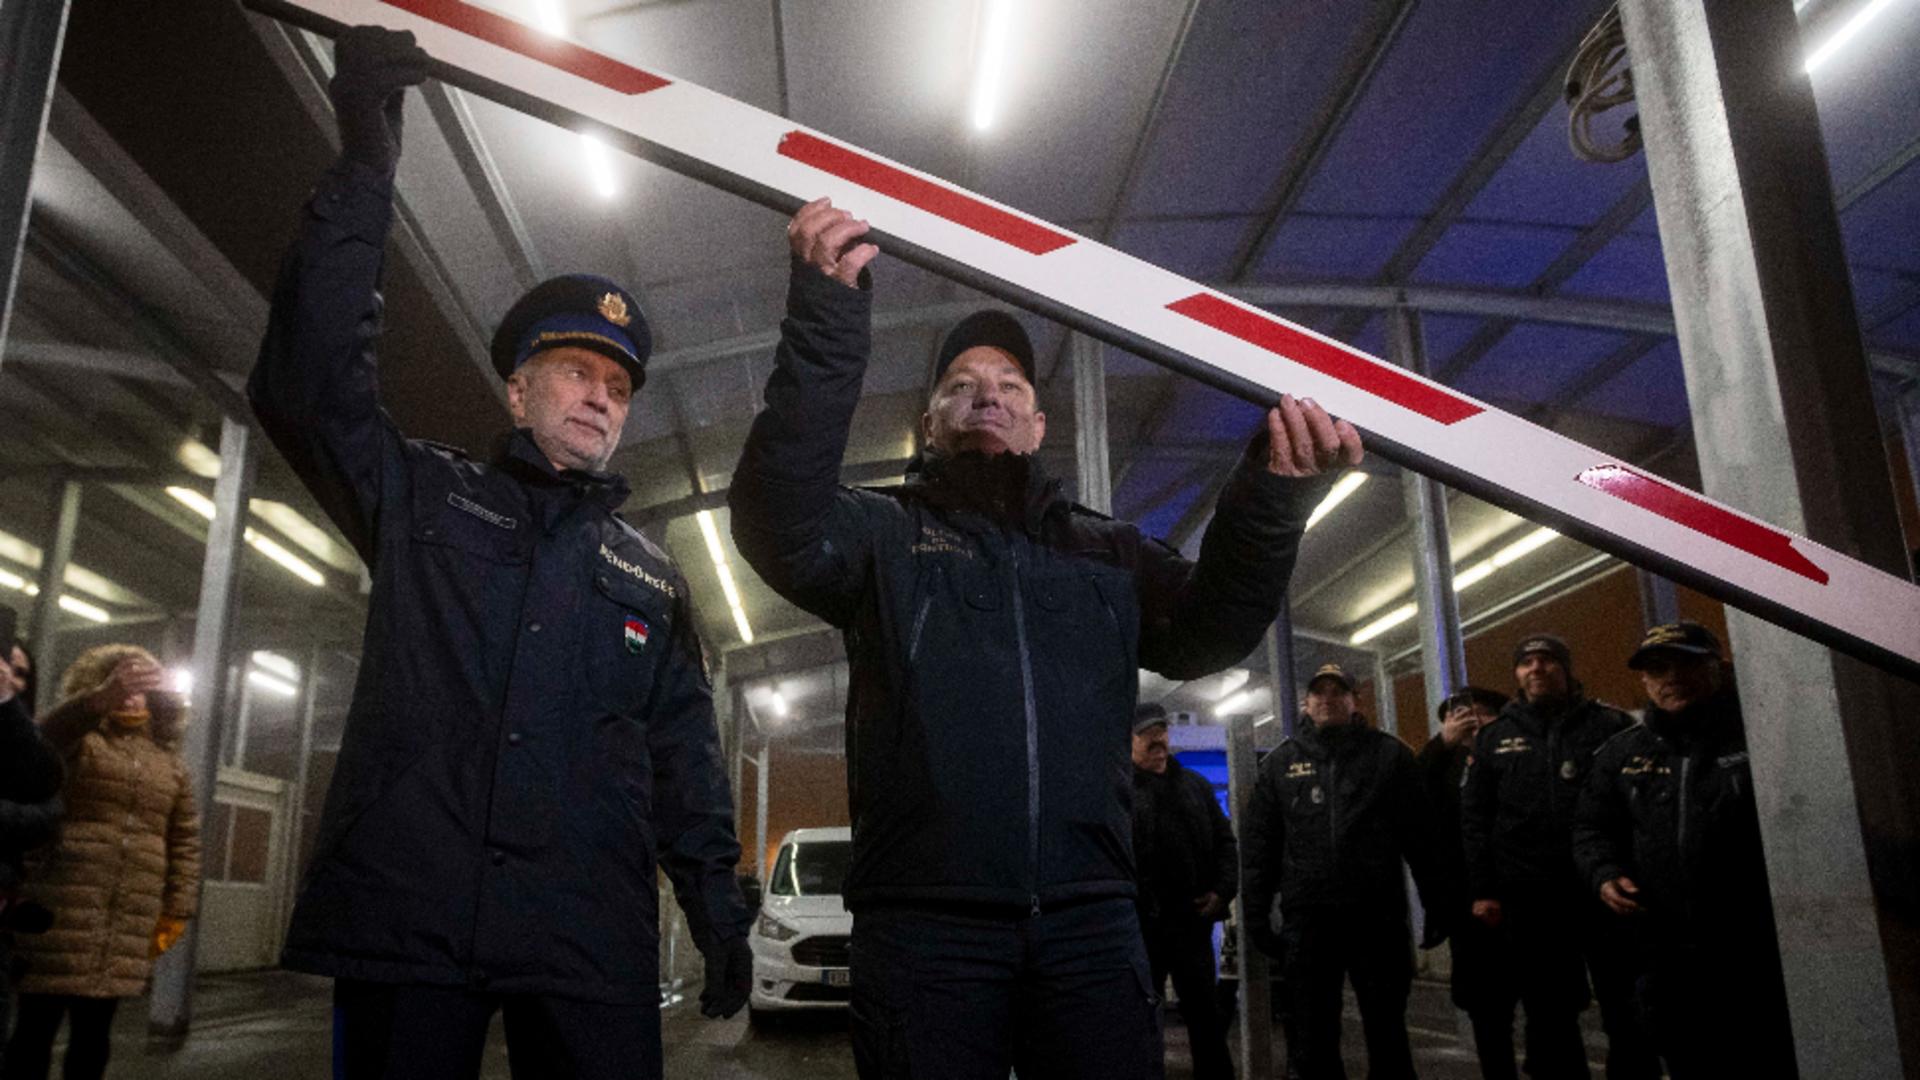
(1336, 811)
(1517, 802)
(1188, 868)
(1668, 836)
(532, 731)
(995, 633)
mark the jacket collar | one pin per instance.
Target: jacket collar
(518, 455)
(1536, 719)
(1326, 742)
(1710, 721)
(1005, 487)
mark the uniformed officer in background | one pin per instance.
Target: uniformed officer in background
(1668, 836)
(1337, 809)
(532, 730)
(1189, 871)
(1516, 814)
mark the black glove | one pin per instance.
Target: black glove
(372, 67)
(729, 979)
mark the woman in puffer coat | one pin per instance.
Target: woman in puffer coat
(124, 877)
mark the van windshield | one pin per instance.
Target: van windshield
(813, 868)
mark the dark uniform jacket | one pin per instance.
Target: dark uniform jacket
(1670, 805)
(532, 727)
(994, 631)
(30, 806)
(1182, 845)
(1334, 813)
(1519, 794)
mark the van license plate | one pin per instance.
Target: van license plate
(837, 978)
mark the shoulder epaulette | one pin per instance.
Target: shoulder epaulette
(651, 548)
(447, 450)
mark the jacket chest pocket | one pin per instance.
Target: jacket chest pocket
(625, 627)
(457, 527)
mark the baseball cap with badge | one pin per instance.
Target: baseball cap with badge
(1543, 643)
(1149, 715)
(582, 310)
(989, 327)
(1689, 638)
(1334, 672)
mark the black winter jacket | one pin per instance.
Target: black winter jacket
(994, 631)
(1333, 815)
(30, 778)
(1670, 805)
(1519, 794)
(1183, 847)
(532, 727)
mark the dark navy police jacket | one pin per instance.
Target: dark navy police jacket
(994, 631)
(532, 729)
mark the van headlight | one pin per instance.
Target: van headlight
(773, 929)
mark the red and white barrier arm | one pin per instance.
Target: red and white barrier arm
(1162, 316)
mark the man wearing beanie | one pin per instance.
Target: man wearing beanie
(995, 633)
(1517, 804)
(532, 732)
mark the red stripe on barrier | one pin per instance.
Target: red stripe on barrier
(943, 202)
(1684, 507)
(1350, 366)
(504, 32)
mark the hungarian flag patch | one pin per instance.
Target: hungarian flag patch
(637, 633)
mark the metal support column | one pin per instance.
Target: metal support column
(1256, 988)
(1286, 694)
(1659, 603)
(297, 793)
(760, 812)
(1090, 425)
(1443, 657)
(1385, 707)
(1907, 405)
(1777, 381)
(30, 36)
(171, 1012)
(53, 572)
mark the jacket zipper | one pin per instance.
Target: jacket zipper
(1033, 732)
(1686, 768)
(1333, 811)
(919, 623)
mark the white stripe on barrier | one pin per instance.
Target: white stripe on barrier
(1421, 424)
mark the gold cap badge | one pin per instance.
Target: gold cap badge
(614, 309)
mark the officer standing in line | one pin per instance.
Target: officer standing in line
(1516, 812)
(532, 731)
(1189, 871)
(1482, 978)
(1337, 809)
(1668, 836)
(995, 634)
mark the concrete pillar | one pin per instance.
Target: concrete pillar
(1443, 657)
(1386, 709)
(53, 574)
(171, 1011)
(1256, 991)
(1090, 425)
(30, 36)
(1659, 603)
(1778, 385)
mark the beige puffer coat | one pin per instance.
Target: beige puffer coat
(129, 850)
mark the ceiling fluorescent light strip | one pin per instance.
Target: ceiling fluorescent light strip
(991, 63)
(1462, 580)
(1348, 484)
(711, 534)
(260, 542)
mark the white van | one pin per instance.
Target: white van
(800, 937)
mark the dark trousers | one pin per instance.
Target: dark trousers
(1720, 1014)
(957, 993)
(1484, 985)
(30, 1051)
(1183, 951)
(1322, 948)
(1557, 943)
(389, 1032)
